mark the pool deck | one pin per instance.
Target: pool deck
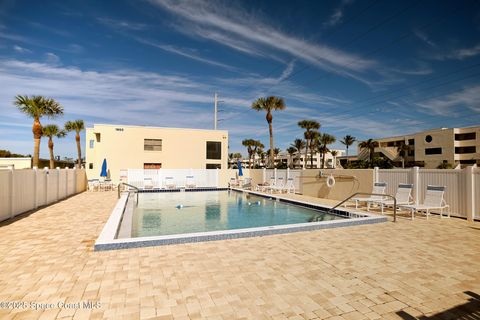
(400, 270)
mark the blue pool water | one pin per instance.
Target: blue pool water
(170, 213)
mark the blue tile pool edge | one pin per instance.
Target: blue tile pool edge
(107, 239)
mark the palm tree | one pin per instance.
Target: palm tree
(291, 151)
(334, 154)
(369, 144)
(298, 144)
(76, 126)
(324, 140)
(51, 131)
(402, 150)
(37, 107)
(348, 140)
(269, 104)
(261, 156)
(309, 126)
(252, 146)
(314, 145)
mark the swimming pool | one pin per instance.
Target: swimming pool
(188, 212)
(183, 216)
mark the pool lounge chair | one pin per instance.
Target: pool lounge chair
(262, 187)
(434, 200)
(378, 187)
(234, 182)
(190, 182)
(403, 196)
(278, 186)
(147, 183)
(170, 183)
(247, 183)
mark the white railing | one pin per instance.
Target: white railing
(462, 186)
(203, 178)
(27, 189)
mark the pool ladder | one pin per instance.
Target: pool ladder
(128, 185)
(369, 194)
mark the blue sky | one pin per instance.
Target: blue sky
(364, 68)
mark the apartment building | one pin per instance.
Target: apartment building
(432, 148)
(134, 147)
(296, 161)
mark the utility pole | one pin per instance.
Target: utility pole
(215, 112)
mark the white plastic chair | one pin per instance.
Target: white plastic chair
(403, 197)
(170, 183)
(263, 187)
(148, 183)
(434, 200)
(279, 186)
(378, 187)
(190, 182)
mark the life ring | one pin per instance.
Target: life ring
(330, 181)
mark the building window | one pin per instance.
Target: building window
(98, 136)
(468, 161)
(118, 129)
(214, 166)
(428, 138)
(411, 153)
(411, 142)
(90, 166)
(152, 144)
(92, 143)
(430, 151)
(214, 150)
(152, 166)
(465, 136)
(462, 150)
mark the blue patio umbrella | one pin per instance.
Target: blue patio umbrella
(104, 168)
(240, 172)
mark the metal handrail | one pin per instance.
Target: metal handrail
(129, 185)
(370, 194)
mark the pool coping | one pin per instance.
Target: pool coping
(107, 239)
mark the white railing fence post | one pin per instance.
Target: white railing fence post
(12, 192)
(74, 187)
(45, 169)
(416, 184)
(264, 175)
(470, 193)
(35, 188)
(57, 197)
(288, 173)
(375, 174)
(275, 174)
(66, 182)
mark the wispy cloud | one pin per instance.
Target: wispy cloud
(465, 53)
(21, 49)
(185, 52)
(337, 15)
(448, 105)
(205, 18)
(424, 37)
(122, 24)
(52, 58)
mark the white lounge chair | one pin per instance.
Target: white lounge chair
(403, 197)
(247, 183)
(263, 186)
(233, 182)
(170, 183)
(278, 186)
(434, 200)
(190, 182)
(378, 187)
(290, 186)
(147, 183)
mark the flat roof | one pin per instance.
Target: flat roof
(152, 127)
(428, 130)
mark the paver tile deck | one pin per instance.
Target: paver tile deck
(383, 271)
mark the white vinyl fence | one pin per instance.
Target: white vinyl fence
(27, 189)
(204, 178)
(462, 186)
